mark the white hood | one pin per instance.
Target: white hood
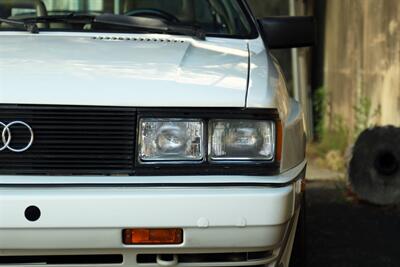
(77, 69)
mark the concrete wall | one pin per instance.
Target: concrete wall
(362, 59)
(263, 8)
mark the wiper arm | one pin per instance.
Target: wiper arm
(69, 18)
(29, 23)
(29, 26)
(139, 23)
(150, 24)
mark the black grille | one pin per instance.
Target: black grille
(70, 140)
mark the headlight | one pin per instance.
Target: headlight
(242, 140)
(171, 140)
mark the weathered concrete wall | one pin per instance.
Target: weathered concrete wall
(262, 8)
(362, 59)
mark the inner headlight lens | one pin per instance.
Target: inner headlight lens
(242, 140)
(171, 140)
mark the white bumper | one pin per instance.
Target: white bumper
(78, 218)
(87, 220)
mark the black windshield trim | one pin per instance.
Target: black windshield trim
(227, 36)
(250, 19)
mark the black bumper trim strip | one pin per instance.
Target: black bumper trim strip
(300, 176)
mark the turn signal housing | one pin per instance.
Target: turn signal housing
(170, 236)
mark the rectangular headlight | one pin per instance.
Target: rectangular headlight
(237, 140)
(171, 140)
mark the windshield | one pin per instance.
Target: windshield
(214, 17)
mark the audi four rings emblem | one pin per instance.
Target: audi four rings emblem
(7, 136)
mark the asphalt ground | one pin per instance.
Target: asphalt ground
(345, 232)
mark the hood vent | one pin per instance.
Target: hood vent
(138, 39)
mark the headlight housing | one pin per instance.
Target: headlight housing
(208, 141)
(171, 140)
(241, 140)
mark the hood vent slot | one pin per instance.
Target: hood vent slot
(138, 39)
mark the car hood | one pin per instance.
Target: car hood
(122, 70)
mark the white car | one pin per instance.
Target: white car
(154, 133)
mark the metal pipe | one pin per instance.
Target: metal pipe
(295, 61)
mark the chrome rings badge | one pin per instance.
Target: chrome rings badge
(6, 136)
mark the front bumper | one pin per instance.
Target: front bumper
(88, 219)
(76, 218)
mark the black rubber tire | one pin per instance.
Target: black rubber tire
(299, 251)
(374, 169)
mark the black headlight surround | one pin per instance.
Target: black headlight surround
(208, 167)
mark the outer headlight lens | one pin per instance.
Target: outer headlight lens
(171, 140)
(242, 140)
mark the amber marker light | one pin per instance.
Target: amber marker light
(170, 236)
(279, 140)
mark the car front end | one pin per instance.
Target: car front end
(146, 149)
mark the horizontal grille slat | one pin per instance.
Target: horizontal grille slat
(71, 158)
(75, 139)
(61, 141)
(84, 142)
(79, 127)
(63, 158)
(70, 140)
(56, 151)
(47, 117)
(80, 132)
(68, 123)
(70, 165)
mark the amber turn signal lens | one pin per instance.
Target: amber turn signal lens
(153, 236)
(279, 140)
